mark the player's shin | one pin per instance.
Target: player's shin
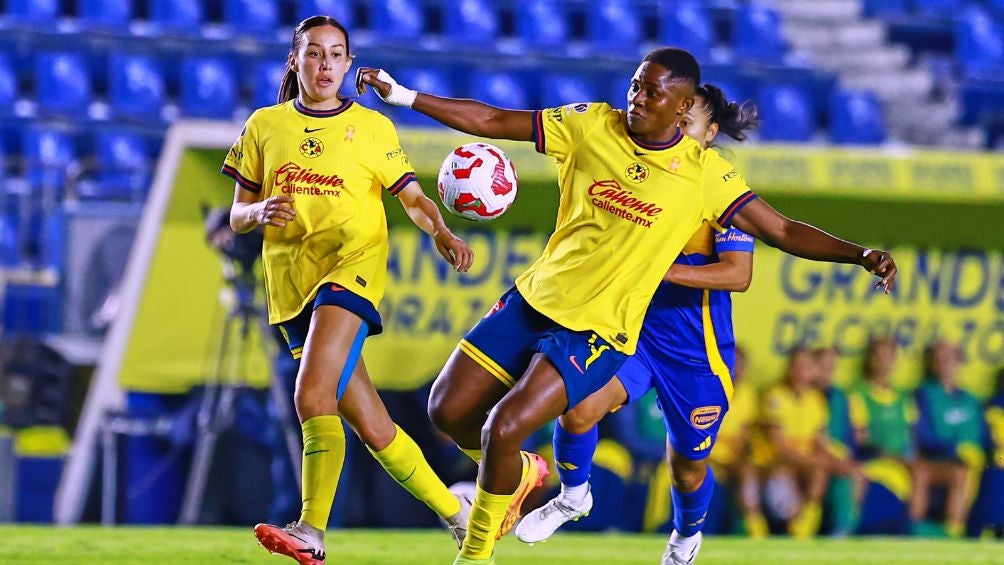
(573, 457)
(403, 460)
(484, 523)
(323, 456)
(690, 508)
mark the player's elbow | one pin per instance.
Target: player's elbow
(742, 282)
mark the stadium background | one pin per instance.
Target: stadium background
(886, 134)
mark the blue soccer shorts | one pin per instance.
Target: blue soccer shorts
(330, 294)
(506, 339)
(692, 398)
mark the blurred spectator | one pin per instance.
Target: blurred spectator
(846, 488)
(987, 516)
(731, 457)
(882, 419)
(796, 417)
(948, 439)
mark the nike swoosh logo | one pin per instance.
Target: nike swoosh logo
(313, 452)
(574, 362)
(638, 154)
(308, 130)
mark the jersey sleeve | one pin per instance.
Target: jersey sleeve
(557, 131)
(733, 239)
(243, 162)
(393, 169)
(725, 190)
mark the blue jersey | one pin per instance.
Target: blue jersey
(690, 325)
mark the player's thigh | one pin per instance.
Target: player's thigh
(538, 398)
(329, 341)
(590, 411)
(364, 410)
(464, 392)
(693, 402)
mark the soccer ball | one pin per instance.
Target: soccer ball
(477, 182)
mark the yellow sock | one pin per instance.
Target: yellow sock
(756, 526)
(806, 524)
(474, 454)
(486, 518)
(406, 464)
(323, 455)
(955, 529)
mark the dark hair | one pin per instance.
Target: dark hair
(290, 88)
(681, 64)
(733, 119)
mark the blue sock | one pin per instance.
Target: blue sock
(573, 455)
(689, 508)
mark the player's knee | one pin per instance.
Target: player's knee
(446, 419)
(500, 434)
(576, 422)
(688, 475)
(309, 404)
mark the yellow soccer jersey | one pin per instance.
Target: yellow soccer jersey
(333, 164)
(736, 425)
(626, 208)
(802, 418)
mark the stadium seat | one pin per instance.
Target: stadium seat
(980, 44)
(8, 84)
(757, 35)
(208, 88)
(471, 21)
(500, 88)
(105, 14)
(177, 16)
(938, 8)
(48, 155)
(397, 20)
(251, 17)
(542, 23)
(433, 81)
(266, 77)
(614, 26)
(123, 162)
(886, 8)
(341, 10)
(136, 87)
(982, 102)
(558, 90)
(856, 118)
(62, 83)
(33, 11)
(687, 25)
(785, 113)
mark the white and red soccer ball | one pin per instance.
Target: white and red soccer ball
(477, 182)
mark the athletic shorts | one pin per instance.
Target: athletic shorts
(506, 339)
(692, 398)
(330, 294)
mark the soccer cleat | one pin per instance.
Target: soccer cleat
(544, 521)
(681, 550)
(458, 524)
(535, 475)
(301, 543)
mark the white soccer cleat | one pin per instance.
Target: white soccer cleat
(544, 521)
(681, 550)
(302, 543)
(458, 524)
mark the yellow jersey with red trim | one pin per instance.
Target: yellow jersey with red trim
(626, 209)
(333, 164)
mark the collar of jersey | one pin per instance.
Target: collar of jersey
(346, 103)
(660, 145)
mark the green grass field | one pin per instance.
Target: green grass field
(195, 546)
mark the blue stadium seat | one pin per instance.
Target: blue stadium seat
(614, 25)
(689, 26)
(208, 88)
(341, 10)
(136, 87)
(856, 118)
(433, 81)
(266, 77)
(63, 83)
(938, 8)
(105, 14)
(982, 102)
(757, 35)
(785, 113)
(542, 23)
(251, 17)
(33, 11)
(123, 165)
(471, 21)
(980, 44)
(500, 88)
(177, 16)
(558, 90)
(48, 154)
(397, 20)
(8, 84)
(886, 8)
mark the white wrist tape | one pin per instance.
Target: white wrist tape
(399, 95)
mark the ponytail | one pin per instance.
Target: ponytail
(290, 87)
(733, 119)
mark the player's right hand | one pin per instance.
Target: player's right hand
(881, 264)
(275, 211)
(385, 86)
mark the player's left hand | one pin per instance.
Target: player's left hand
(454, 250)
(881, 264)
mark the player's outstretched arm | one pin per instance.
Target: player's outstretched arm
(248, 212)
(733, 272)
(425, 214)
(802, 240)
(468, 116)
